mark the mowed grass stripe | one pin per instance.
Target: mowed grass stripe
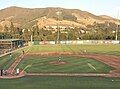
(63, 68)
(56, 68)
(100, 49)
(40, 82)
(76, 66)
(6, 61)
(73, 64)
(48, 66)
(36, 60)
(45, 48)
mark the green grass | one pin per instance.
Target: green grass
(99, 49)
(110, 49)
(73, 65)
(6, 61)
(41, 82)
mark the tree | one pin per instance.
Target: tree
(12, 30)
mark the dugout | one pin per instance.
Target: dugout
(10, 43)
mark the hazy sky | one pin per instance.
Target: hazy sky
(98, 7)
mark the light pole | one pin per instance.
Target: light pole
(116, 35)
(31, 36)
(58, 28)
(117, 30)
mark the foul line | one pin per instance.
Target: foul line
(91, 66)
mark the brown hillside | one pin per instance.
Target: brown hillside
(26, 17)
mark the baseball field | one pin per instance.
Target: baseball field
(61, 66)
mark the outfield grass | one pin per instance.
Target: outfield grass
(99, 49)
(41, 82)
(73, 65)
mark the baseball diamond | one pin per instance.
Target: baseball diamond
(63, 61)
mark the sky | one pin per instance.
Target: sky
(97, 7)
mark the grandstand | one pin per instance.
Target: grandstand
(7, 45)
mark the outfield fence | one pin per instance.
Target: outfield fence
(79, 42)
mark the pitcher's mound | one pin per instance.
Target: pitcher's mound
(58, 63)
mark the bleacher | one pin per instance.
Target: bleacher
(7, 45)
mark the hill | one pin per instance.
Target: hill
(26, 17)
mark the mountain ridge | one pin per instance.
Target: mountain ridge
(28, 17)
